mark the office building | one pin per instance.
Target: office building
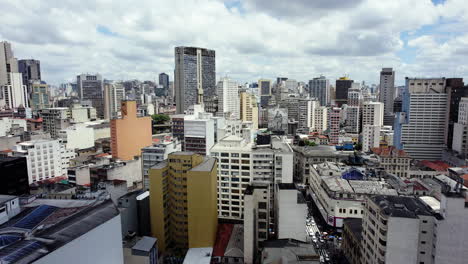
(249, 109)
(90, 87)
(421, 127)
(228, 99)
(320, 89)
(456, 89)
(370, 137)
(460, 128)
(320, 120)
(8, 63)
(242, 162)
(195, 76)
(164, 81)
(352, 119)
(14, 177)
(333, 124)
(55, 119)
(306, 113)
(157, 153)
(387, 94)
(31, 71)
(39, 93)
(397, 229)
(130, 133)
(14, 93)
(342, 86)
(183, 201)
(114, 94)
(65, 231)
(264, 87)
(373, 114)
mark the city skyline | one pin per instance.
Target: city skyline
(252, 40)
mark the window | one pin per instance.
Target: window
(424, 232)
(224, 154)
(262, 205)
(245, 155)
(423, 242)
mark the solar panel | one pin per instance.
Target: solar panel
(21, 251)
(35, 217)
(6, 240)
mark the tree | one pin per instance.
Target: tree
(160, 118)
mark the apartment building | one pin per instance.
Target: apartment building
(249, 108)
(370, 137)
(372, 113)
(393, 160)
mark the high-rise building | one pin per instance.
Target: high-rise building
(8, 63)
(183, 201)
(130, 133)
(228, 99)
(320, 120)
(39, 95)
(164, 81)
(55, 119)
(421, 127)
(264, 88)
(387, 94)
(320, 89)
(195, 76)
(372, 114)
(352, 119)
(455, 90)
(31, 71)
(90, 87)
(114, 93)
(460, 128)
(334, 124)
(15, 93)
(249, 109)
(341, 90)
(370, 137)
(14, 177)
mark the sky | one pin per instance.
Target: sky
(253, 39)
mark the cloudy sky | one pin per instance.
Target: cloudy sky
(300, 39)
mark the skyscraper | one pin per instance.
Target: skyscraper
(90, 87)
(342, 86)
(8, 63)
(39, 95)
(264, 87)
(228, 98)
(421, 127)
(14, 92)
(164, 81)
(249, 109)
(195, 76)
(456, 90)
(114, 93)
(31, 70)
(320, 88)
(387, 94)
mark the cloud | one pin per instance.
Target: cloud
(253, 38)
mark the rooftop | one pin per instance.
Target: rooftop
(198, 256)
(6, 198)
(400, 206)
(206, 165)
(289, 251)
(390, 151)
(434, 165)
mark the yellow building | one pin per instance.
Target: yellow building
(130, 133)
(183, 201)
(249, 109)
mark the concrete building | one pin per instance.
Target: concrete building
(387, 94)
(128, 171)
(256, 218)
(264, 87)
(15, 93)
(289, 251)
(249, 108)
(291, 212)
(397, 230)
(88, 230)
(352, 119)
(8, 125)
(183, 201)
(342, 86)
(55, 119)
(14, 177)
(164, 81)
(421, 127)
(8, 63)
(197, 130)
(30, 70)
(460, 128)
(372, 114)
(114, 94)
(130, 133)
(78, 136)
(394, 161)
(79, 175)
(456, 90)
(241, 163)
(228, 99)
(333, 124)
(47, 159)
(352, 237)
(319, 88)
(340, 191)
(320, 120)
(39, 95)
(195, 76)
(370, 137)
(90, 87)
(155, 154)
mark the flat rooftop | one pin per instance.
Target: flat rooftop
(400, 206)
(198, 256)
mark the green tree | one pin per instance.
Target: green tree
(160, 118)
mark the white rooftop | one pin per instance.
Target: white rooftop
(198, 256)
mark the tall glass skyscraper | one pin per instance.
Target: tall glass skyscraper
(320, 88)
(195, 76)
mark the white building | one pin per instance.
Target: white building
(352, 119)
(55, 119)
(460, 128)
(240, 163)
(15, 93)
(78, 136)
(46, 159)
(291, 212)
(370, 137)
(320, 121)
(114, 93)
(228, 99)
(372, 113)
(6, 124)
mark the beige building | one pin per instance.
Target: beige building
(130, 133)
(249, 109)
(183, 201)
(393, 160)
